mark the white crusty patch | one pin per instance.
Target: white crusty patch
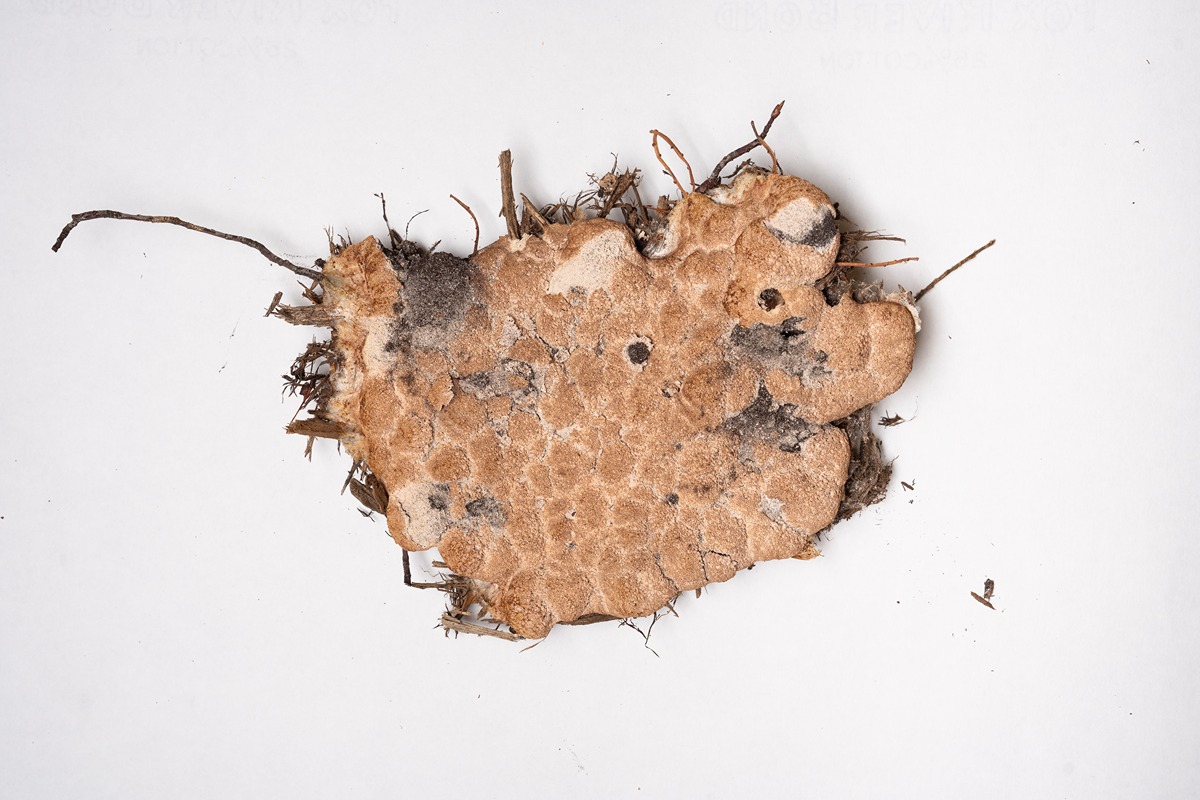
(593, 266)
(905, 299)
(798, 219)
(424, 523)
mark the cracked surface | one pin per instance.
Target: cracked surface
(583, 429)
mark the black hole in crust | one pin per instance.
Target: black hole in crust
(770, 299)
(638, 352)
(673, 499)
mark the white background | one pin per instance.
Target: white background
(188, 608)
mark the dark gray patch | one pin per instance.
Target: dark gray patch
(489, 508)
(821, 234)
(439, 498)
(436, 292)
(765, 420)
(786, 346)
(401, 335)
(673, 499)
(638, 353)
(770, 341)
(437, 289)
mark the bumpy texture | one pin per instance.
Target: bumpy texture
(581, 429)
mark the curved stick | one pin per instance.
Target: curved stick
(88, 215)
(654, 136)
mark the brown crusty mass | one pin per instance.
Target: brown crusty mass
(583, 429)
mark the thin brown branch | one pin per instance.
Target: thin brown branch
(274, 302)
(643, 216)
(655, 134)
(872, 236)
(467, 208)
(714, 180)
(533, 215)
(939, 278)
(408, 581)
(877, 263)
(770, 151)
(393, 237)
(667, 169)
(507, 201)
(106, 214)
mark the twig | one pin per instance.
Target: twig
(628, 623)
(770, 151)
(88, 215)
(877, 263)
(450, 623)
(641, 207)
(533, 213)
(274, 302)
(655, 134)
(508, 202)
(467, 208)
(392, 235)
(624, 181)
(408, 581)
(714, 180)
(408, 224)
(939, 278)
(872, 236)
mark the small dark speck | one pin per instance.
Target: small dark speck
(673, 499)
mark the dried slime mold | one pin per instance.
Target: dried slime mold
(590, 416)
